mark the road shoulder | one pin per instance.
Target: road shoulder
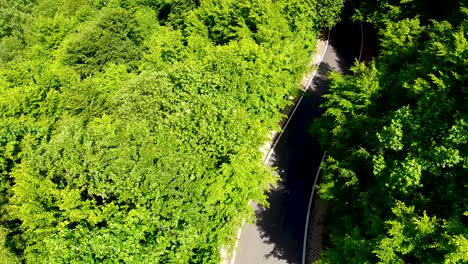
(267, 148)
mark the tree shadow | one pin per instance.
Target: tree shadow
(347, 40)
(296, 159)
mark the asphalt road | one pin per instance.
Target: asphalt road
(277, 235)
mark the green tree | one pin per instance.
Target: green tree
(395, 135)
(129, 129)
(111, 37)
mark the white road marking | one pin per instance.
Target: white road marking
(268, 157)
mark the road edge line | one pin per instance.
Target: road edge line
(319, 168)
(267, 158)
(304, 245)
(270, 152)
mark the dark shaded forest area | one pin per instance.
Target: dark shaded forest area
(129, 129)
(396, 136)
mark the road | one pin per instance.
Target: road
(277, 235)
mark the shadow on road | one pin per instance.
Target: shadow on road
(296, 158)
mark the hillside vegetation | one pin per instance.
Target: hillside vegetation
(130, 129)
(396, 136)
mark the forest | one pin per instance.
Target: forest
(396, 136)
(130, 129)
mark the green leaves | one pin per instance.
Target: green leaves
(395, 138)
(111, 37)
(410, 235)
(129, 130)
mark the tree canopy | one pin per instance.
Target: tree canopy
(129, 129)
(396, 136)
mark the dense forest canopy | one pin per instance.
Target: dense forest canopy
(396, 136)
(129, 129)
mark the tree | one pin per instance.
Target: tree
(129, 130)
(111, 37)
(395, 135)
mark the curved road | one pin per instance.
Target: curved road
(277, 235)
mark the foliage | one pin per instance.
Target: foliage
(396, 139)
(111, 37)
(129, 129)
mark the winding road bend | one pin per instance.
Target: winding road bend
(277, 235)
